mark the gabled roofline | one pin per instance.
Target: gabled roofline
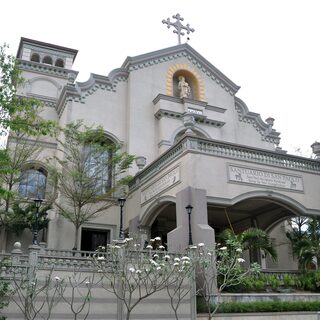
(45, 44)
(190, 53)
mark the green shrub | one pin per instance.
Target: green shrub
(267, 306)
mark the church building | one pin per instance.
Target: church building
(204, 161)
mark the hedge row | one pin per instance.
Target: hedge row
(263, 306)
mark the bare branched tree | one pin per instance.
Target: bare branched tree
(217, 269)
(133, 275)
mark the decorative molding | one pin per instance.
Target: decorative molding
(45, 69)
(177, 52)
(46, 102)
(200, 119)
(187, 100)
(244, 115)
(225, 150)
(40, 143)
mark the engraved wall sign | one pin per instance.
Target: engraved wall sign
(196, 111)
(265, 178)
(163, 183)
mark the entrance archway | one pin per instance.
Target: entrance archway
(265, 213)
(162, 219)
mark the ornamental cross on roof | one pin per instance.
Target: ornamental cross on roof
(179, 26)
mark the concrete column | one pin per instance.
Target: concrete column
(16, 253)
(3, 239)
(144, 235)
(201, 231)
(33, 260)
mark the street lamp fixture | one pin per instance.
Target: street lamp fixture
(189, 210)
(37, 203)
(121, 202)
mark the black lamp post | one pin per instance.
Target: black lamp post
(36, 225)
(189, 210)
(121, 202)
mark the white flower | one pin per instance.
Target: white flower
(176, 264)
(157, 238)
(99, 270)
(193, 247)
(117, 247)
(103, 248)
(138, 271)
(57, 278)
(149, 246)
(186, 262)
(185, 258)
(159, 268)
(177, 259)
(153, 262)
(87, 283)
(131, 269)
(101, 258)
(167, 256)
(151, 240)
(209, 254)
(129, 239)
(161, 247)
(238, 250)
(201, 244)
(33, 283)
(156, 256)
(240, 260)
(223, 248)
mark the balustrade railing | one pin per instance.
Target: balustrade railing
(227, 150)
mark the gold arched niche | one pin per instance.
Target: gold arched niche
(191, 76)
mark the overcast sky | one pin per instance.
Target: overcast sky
(271, 48)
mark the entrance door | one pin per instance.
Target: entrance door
(91, 239)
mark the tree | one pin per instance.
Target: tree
(86, 173)
(22, 217)
(218, 268)
(18, 113)
(251, 239)
(133, 275)
(20, 116)
(305, 241)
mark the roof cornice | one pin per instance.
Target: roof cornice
(183, 50)
(23, 40)
(266, 131)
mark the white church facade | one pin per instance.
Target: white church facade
(196, 144)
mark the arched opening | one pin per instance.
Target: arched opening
(162, 220)
(47, 60)
(188, 78)
(59, 63)
(264, 213)
(35, 57)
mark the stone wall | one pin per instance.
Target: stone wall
(79, 283)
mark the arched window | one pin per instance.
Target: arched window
(59, 63)
(47, 60)
(35, 57)
(98, 165)
(33, 183)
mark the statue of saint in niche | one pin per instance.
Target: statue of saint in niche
(184, 88)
